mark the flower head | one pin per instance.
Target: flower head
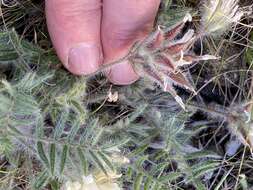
(242, 126)
(218, 15)
(96, 181)
(160, 56)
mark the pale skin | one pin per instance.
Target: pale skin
(88, 33)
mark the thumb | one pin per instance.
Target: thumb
(124, 22)
(74, 27)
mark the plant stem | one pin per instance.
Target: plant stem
(121, 60)
(109, 65)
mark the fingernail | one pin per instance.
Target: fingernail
(122, 74)
(84, 58)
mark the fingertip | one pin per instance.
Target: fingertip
(84, 59)
(74, 28)
(122, 74)
(125, 22)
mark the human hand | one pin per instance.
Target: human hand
(88, 33)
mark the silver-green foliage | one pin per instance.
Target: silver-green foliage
(43, 111)
(73, 141)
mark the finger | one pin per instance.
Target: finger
(74, 28)
(123, 23)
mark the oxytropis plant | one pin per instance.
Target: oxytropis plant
(161, 55)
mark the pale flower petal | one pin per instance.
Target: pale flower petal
(97, 181)
(109, 186)
(218, 15)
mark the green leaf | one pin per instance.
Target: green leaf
(202, 154)
(52, 156)
(198, 184)
(61, 124)
(139, 150)
(106, 160)
(84, 163)
(41, 180)
(204, 167)
(138, 111)
(170, 177)
(42, 154)
(39, 128)
(129, 173)
(96, 139)
(6, 145)
(74, 130)
(138, 182)
(148, 183)
(89, 131)
(140, 161)
(156, 186)
(64, 155)
(243, 182)
(97, 161)
(55, 185)
(114, 145)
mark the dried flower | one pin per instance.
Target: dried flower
(96, 181)
(160, 56)
(241, 123)
(113, 97)
(118, 158)
(247, 132)
(218, 15)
